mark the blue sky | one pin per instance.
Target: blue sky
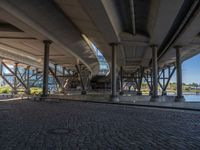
(191, 70)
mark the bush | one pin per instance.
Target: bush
(5, 90)
(8, 90)
(35, 91)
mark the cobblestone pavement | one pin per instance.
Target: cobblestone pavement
(28, 125)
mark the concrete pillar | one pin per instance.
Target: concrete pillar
(28, 80)
(140, 77)
(15, 78)
(46, 67)
(179, 96)
(114, 95)
(55, 72)
(154, 73)
(63, 80)
(121, 81)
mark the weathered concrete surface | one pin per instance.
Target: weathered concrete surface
(78, 125)
(163, 101)
(102, 97)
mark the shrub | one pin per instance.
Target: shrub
(35, 91)
(5, 90)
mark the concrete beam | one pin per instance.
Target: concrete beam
(28, 15)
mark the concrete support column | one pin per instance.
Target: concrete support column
(55, 72)
(137, 80)
(140, 77)
(46, 67)
(154, 73)
(179, 96)
(15, 78)
(63, 80)
(28, 80)
(114, 96)
(121, 81)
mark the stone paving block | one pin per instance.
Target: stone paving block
(29, 125)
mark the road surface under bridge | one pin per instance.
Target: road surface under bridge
(79, 125)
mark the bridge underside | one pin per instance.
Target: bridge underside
(107, 63)
(56, 40)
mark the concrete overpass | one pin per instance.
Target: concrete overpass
(140, 38)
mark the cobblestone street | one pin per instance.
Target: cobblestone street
(28, 125)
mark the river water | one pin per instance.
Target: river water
(189, 96)
(192, 97)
